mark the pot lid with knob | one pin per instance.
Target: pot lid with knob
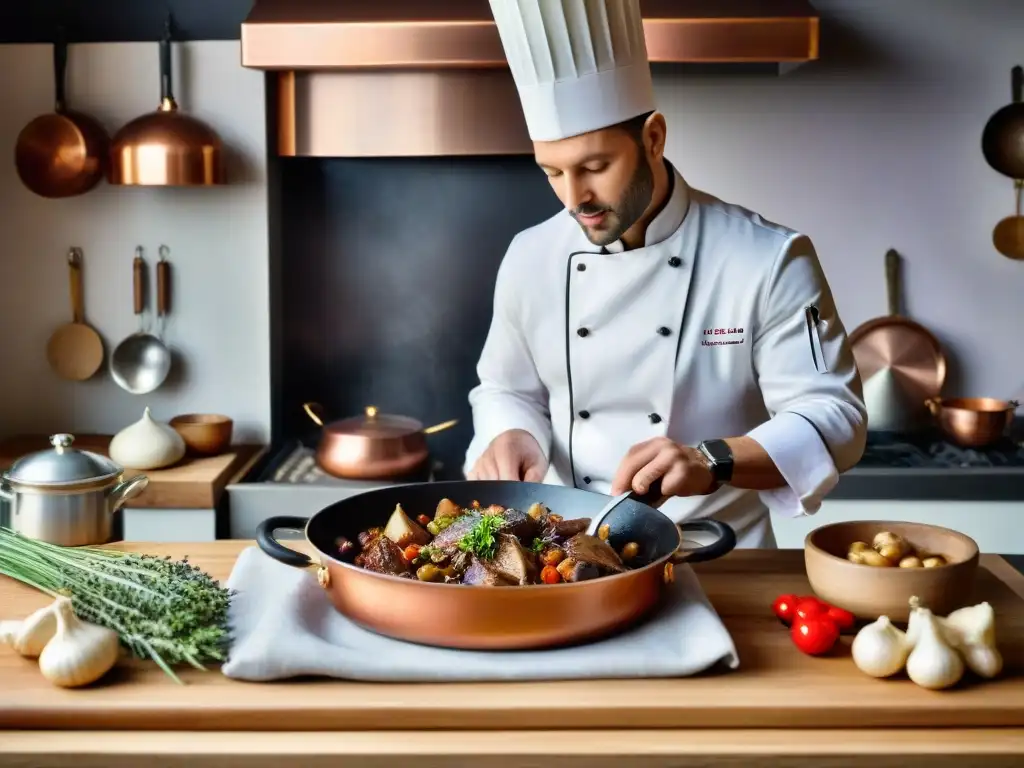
(63, 467)
(373, 424)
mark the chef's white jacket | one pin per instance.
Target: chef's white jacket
(722, 325)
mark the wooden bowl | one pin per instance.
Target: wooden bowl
(870, 591)
(205, 434)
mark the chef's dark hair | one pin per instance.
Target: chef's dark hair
(635, 127)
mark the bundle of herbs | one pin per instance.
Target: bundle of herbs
(170, 612)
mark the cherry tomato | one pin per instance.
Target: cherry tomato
(550, 575)
(815, 635)
(807, 608)
(785, 607)
(411, 552)
(423, 519)
(841, 618)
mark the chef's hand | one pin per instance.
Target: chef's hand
(512, 455)
(681, 469)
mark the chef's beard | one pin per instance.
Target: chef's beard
(625, 213)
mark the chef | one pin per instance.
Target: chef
(650, 331)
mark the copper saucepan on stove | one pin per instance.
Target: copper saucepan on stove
(495, 618)
(374, 446)
(973, 422)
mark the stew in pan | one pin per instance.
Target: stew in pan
(487, 546)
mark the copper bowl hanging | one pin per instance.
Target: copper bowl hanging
(166, 147)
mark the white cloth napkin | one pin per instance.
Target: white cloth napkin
(284, 626)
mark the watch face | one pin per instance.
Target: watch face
(718, 450)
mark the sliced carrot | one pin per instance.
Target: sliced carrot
(550, 575)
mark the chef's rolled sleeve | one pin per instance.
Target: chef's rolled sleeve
(819, 422)
(510, 394)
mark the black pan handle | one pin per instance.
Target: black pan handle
(653, 497)
(723, 545)
(271, 546)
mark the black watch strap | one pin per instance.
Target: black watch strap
(719, 457)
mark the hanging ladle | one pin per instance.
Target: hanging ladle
(1008, 236)
(141, 362)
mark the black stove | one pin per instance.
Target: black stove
(931, 451)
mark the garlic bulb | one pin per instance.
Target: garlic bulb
(932, 664)
(972, 631)
(880, 649)
(30, 635)
(79, 652)
(147, 444)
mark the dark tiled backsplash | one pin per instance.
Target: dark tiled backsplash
(387, 277)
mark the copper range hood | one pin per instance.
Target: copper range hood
(387, 78)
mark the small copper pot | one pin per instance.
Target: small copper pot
(374, 446)
(973, 422)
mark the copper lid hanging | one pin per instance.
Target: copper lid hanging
(166, 147)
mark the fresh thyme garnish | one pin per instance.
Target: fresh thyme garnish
(482, 539)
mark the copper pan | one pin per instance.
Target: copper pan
(166, 147)
(63, 153)
(906, 358)
(374, 446)
(973, 422)
(494, 618)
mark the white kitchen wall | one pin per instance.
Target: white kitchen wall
(876, 146)
(879, 146)
(217, 238)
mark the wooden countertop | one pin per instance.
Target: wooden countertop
(192, 483)
(778, 704)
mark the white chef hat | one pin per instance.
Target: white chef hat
(579, 65)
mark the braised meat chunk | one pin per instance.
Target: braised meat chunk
(513, 562)
(561, 530)
(384, 556)
(483, 574)
(590, 550)
(518, 524)
(450, 537)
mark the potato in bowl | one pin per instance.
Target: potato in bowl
(862, 566)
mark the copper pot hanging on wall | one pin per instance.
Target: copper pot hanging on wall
(166, 147)
(63, 153)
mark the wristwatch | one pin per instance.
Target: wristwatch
(718, 457)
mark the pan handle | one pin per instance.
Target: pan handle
(653, 498)
(723, 545)
(892, 281)
(60, 64)
(315, 413)
(271, 546)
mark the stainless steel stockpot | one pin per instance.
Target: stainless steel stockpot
(66, 496)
